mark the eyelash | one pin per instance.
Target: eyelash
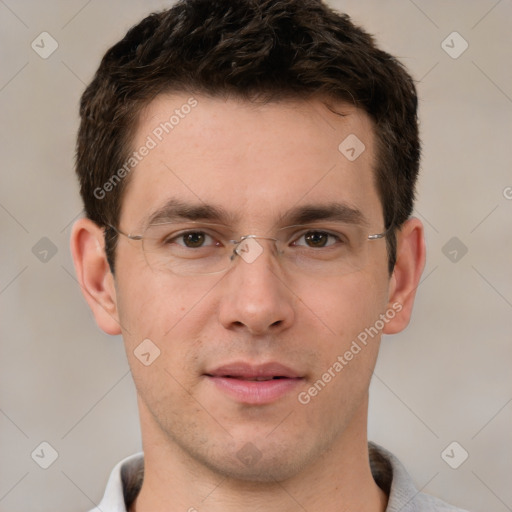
(321, 232)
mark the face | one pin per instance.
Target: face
(252, 170)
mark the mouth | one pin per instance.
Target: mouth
(254, 384)
(254, 379)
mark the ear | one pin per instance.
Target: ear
(94, 275)
(406, 274)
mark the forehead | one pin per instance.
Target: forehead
(253, 160)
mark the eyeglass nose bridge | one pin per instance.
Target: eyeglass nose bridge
(238, 247)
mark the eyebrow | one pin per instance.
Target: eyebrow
(334, 212)
(175, 210)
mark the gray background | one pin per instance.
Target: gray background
(446, 378)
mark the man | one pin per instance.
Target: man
(248, 172)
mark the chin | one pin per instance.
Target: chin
(266, 470)
(260, 461)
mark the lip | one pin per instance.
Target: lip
(237, 381)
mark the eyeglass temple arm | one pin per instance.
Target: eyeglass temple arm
(127, 235)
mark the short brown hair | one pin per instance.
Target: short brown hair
(257, 50)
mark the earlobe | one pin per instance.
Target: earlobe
(406, 274)
(93, 274)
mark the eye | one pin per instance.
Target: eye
(192, 239)
(317, 239)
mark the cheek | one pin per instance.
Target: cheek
(155, 303)
(170, 312)
(342, 308)
(160, 326)
(341, 315)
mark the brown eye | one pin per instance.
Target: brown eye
(317, 239)
(193, 240)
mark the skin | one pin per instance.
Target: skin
(257, 162)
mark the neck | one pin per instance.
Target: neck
(340, 479)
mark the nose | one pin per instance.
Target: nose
(255, 296)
